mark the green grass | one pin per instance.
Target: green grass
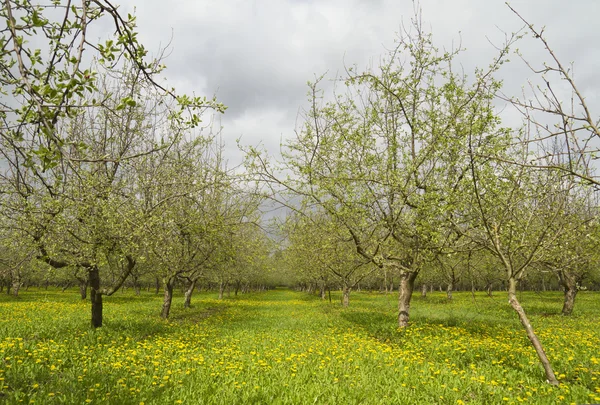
(283, 347)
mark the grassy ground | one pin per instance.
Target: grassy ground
(286, 347)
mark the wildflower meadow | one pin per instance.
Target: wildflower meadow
(287, 347)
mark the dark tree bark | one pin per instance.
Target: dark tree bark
(96, 293)
(95, 296)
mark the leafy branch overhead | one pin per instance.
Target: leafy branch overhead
(47, 71)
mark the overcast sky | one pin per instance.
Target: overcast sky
(257, 55)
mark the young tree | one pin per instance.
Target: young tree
(573, 257)
(514, 213)
(56, 81)
(323, 253)
(67, 137)
(385, 157)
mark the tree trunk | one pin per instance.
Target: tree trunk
(95, 296)
(83, 285)
(424, 290)
(221, 289)
(168, 298)
(512, 299)
(345, 295)
(569, 303)
(570, 291)
(157, 285)
(322, 291)
(407, 284)
(188, 294)
(136, 285)
(543, 284)
(449, 290)
(385, 283)
(16, 284)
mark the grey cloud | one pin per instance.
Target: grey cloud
(257, 55)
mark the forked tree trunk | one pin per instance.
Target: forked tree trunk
(95, 296)
(407, 284)
(168, 298)
(537, 345)
(188, 294)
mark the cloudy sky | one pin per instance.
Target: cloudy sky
(257, 55)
